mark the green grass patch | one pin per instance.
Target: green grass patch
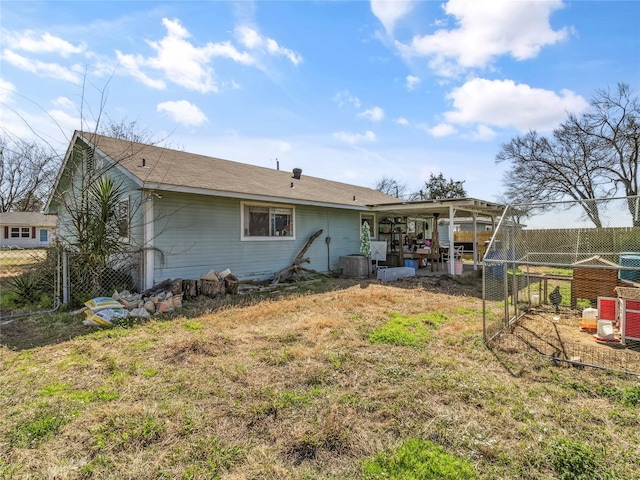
(577, 461)
(122, 432)
(192, 325)
(43, 424)
(115, 332)
(207, 458)
(64, 390)
(418, 460)
(628, 397)
(290, 398)
(408, 330)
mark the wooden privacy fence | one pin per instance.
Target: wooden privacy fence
(466, 238)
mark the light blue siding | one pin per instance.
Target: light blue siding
(195, 234)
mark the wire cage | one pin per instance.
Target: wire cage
(563, 279)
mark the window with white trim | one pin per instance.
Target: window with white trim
(260, 221)
(20, 232)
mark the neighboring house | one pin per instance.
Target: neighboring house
(27, 229)
(187, 214)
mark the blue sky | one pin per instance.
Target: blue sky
(349, 91)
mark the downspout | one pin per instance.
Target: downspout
(328, 241)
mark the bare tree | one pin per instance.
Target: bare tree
(27, 172)
(588, 157)
(544, 170)
(614, 122)
(127, 130)
(391, 187)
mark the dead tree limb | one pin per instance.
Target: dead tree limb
(294, 272)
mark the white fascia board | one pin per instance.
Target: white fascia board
(247, 196)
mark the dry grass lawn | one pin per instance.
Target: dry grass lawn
(315, 384)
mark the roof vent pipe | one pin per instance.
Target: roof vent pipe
(297, 172)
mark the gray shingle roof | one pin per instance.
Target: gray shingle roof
(28, 219)
(166, 169)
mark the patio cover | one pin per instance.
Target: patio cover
(445, 209)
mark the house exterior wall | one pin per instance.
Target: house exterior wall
(73, 176)
(33, 241)
(65, 202)
(195, 233)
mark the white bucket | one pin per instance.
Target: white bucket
(605, 329)
(535, 299)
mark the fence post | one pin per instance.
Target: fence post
(65, 277)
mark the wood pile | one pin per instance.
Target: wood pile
(212, 284)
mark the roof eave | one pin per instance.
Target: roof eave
(253, 197)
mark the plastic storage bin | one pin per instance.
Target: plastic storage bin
(395, 273)
(630, 259)
(410, 262)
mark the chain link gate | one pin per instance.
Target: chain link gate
(85, 279)
(563, 279)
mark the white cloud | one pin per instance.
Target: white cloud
(390, 11)
(185, 64)
(374, 114)
(53, 70)
(183, 112)
(485, 30)
(412, 82)
(484, 133)
(355, 138)
(7, 89)
(401, 121)
(248, 37)
(343, 97)
(180, 61)
(275, 49)
(132, 63)
(67, 122)
(502, 103)
(64, 102)
(29, 42)
(442, 130)
(251, 39)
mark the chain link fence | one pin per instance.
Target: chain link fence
(563, 279)
(30, 281)
(36, 281)
(86, 278)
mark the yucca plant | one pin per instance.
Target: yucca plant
(27, 288)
